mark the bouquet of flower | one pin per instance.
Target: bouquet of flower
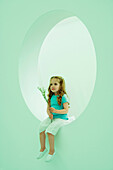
(43, 91)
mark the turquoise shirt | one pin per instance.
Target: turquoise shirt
(54, 104)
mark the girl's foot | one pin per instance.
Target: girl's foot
(41, 153)
(50, 157)
(41, 150)
(51, 153)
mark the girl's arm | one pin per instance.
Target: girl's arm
(63, 111)
(49, 113)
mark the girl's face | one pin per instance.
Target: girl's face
(54, 85)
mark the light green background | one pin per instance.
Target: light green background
(87, 143)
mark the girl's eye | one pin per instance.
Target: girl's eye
(54, 84)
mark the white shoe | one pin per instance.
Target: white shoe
(41, 154)
(49, 157)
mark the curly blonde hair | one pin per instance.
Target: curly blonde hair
(61, 91)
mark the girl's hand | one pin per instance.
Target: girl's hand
(50, 116)
(53, 110)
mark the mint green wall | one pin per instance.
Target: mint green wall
(86, 144)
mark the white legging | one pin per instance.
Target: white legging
(51, 127)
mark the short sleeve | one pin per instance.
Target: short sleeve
(64, 98)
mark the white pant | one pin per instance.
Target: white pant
(51, 127)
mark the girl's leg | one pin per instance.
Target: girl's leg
(42, 141)
(52, 131)
(51, 143)
(43, 125)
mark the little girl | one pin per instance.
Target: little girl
(57, 109)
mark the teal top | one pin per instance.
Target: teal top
(54, 104)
